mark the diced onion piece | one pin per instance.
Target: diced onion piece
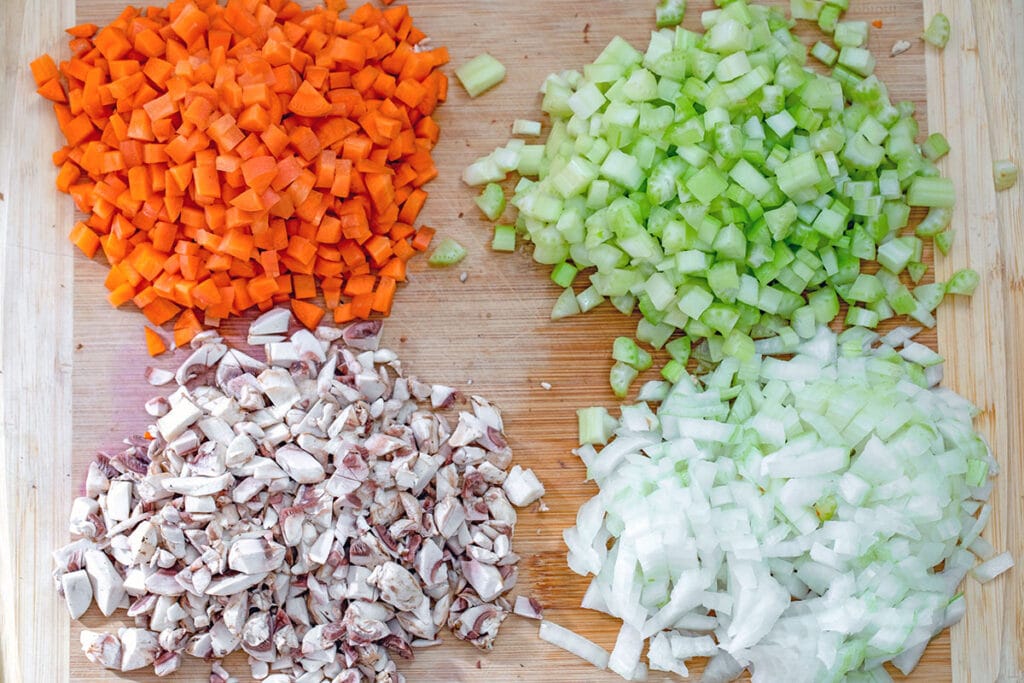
(574, 643)
(990, 569)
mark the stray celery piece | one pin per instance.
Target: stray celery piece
(480, 74)
(589, 299)
(620, 377)
(447, 253)
(504, 238)
(526, 127)
(937, 33)
(1004, 173)
(944, 241)
(669, 13)
(625, 350)
(935, 147)
(492, 201)
(595, 425)
(963, 282)
(563, 274)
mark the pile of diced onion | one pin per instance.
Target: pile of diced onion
(808, 518)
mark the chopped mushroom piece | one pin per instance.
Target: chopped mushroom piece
(316, 512)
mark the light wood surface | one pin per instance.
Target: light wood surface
(72, 368)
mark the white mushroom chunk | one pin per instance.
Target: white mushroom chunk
(107, 584)
(255, 556)
(274, 321)
(229, 585)
(101, 648)
(95, 481)
(528, 607)
(77, 592)
(282, 354)
(142, 542)
(278, 385)
(441, 396)
(181, 416)
(397, 586)
(139, 648)
(158, 376)
(197, 486)
(485, 579)
(201, 360)
(522, 486)
(119, 500)
(300, 465)
(83, 518)
(240, 450)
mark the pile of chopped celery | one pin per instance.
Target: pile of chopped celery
(727, 191)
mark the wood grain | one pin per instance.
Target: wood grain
(493, 329)
(969, 85)
(35, 360)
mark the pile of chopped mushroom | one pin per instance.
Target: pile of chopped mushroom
(318, 511)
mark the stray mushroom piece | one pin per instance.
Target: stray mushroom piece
(522, 486)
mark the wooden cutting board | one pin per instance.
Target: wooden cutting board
(491, 334)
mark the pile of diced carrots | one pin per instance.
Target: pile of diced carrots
(240, 156)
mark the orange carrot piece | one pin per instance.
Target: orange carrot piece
(306, 313)
(155, 344)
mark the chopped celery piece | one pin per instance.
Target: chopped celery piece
(563, 274)
(565, 305)
(936, 221)
(851, 34)
(937, 33)
(526, 127)
(937, 191)
(621, 377)
(669, 13)
(828, 18)
(857, 59)
(448, 252)
(679, 349)
(492, 201)
(625, 350)
(1004, 173)
(963, 282)
(589, 299)
(935, 147)
(673, 371)
(805, 9)
(824, 53)
(480, 74)
(944, 241)
(596, 426)
(504, 238)
(862, 317)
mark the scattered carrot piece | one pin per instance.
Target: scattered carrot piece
(241, 155)
(154, 343)
(877, 23)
